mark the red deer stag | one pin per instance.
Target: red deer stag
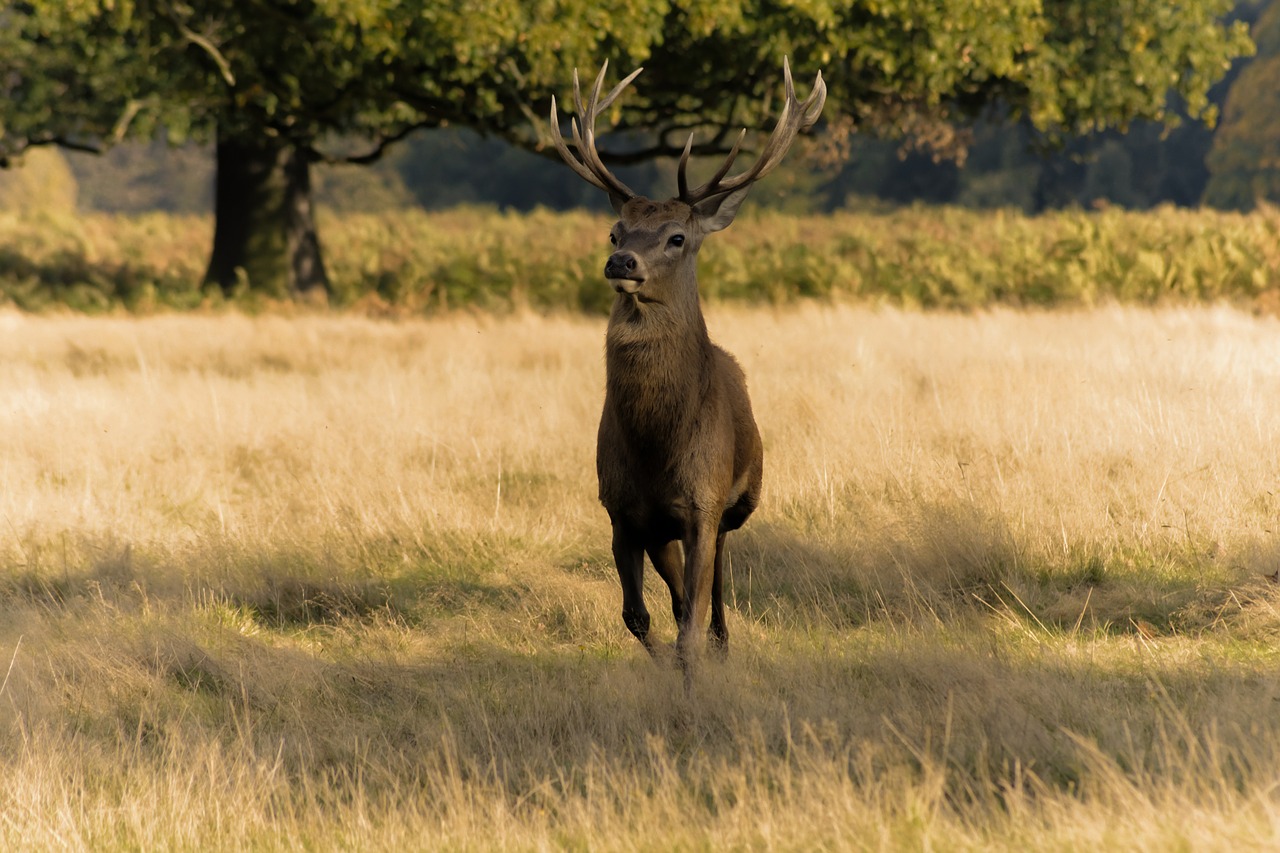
(678, 454)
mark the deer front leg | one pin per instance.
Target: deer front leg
(628, 554)
(699, 575)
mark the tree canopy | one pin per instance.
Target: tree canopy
(282, 84)
(1244, 163)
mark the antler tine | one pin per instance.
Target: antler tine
(617, 90)
(588, 118)
(795, 117)
(728, 161)
(590, 113)
(583, 125)
(587, 164)
(682, 180)
(565, 154)
(814, 103)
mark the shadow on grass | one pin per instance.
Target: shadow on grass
(948, 562)
(948, 658)
(552, 722)
(933, 563)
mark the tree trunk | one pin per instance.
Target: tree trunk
(264, 228)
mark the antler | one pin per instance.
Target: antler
(590, 167)
(795, 117)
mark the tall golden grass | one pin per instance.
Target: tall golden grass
(325, 581)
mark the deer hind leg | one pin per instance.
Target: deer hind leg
(668, 559)
(629, 557)
(718, 633)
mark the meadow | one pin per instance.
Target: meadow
(326, 580)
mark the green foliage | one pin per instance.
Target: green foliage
(416, 262)
(469, 257)
(96, 71)
(1245, 160)
(100, 263)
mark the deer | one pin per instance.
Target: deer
(679, 459)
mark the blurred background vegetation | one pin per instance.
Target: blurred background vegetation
(1235, 165)
(418, 262)
(251, 117)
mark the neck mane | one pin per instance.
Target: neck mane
(658, 362)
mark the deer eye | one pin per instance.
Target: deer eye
(676, 240)
(613, 238)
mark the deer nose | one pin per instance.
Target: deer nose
(620, 265)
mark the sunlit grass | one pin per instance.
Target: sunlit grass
(325, 581)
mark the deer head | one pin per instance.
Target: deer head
(657, 242)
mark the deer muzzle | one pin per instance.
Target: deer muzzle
(622, 271)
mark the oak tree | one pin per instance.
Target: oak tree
(1244, 162)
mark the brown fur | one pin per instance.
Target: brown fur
(678, 454)
(678, 457)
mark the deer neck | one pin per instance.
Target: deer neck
(658, 361)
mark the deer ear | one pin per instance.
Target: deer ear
(717, 212)
(617, 201)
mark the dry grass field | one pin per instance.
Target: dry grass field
(323, 581)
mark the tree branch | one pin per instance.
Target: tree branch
(379, 147)
(131, 111)
(7, 158)
(224, 67)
